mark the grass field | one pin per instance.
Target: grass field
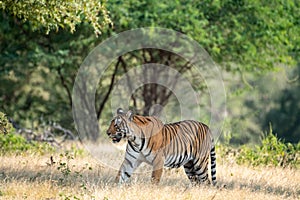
(84, 177)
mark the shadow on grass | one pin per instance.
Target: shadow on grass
(259, 187)
(262, 187)
(58, 176)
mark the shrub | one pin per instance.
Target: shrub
(5, 126)
(272, 152)
(13, 143)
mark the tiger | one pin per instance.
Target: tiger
(185, 143)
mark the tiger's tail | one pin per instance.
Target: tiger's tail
(213, 164)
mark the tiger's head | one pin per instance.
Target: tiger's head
(119, 127)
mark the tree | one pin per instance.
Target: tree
(52, 14)
(38, 70)
(241, 36)
(284, 116)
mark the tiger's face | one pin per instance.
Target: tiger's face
(119, 128)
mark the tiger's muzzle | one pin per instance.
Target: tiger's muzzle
(116, 137)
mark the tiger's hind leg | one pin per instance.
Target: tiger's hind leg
(197, 172)
(201, 170)
(189, 171)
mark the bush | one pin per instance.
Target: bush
(5, 126)
(13, 143)
(272, 152)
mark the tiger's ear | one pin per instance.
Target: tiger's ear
(130, 115)
(118, 120)
(120, 111)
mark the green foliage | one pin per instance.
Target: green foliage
(5, 126)
(284, 115)
(238, 129)
(239, 35)
(13, 143)
(272, 152)
(52, 14)
(17, 144)
(37, 71)
(273, 98)
(69, 196)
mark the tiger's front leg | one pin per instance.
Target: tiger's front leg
(128, 166)
(158, 164)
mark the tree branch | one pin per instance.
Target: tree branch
(109, 89)
(128, 80)
(63, 82)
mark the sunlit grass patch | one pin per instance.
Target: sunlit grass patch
(83, 177)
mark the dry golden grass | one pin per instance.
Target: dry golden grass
(33, 177)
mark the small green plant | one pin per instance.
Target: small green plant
(77, 151)
(68, 197)
(5, 126)
(69, 170)
(272, 152)
(72, 174)
(64, 166)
